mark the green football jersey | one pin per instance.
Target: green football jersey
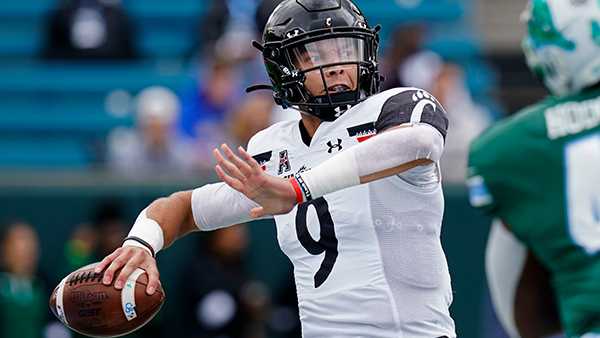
(539, 171)
(23, 308)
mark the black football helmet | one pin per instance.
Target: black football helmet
(323, 37)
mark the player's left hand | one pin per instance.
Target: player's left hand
(274, 195)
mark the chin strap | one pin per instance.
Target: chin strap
(256, 87)
(258, 46)
(324, 113)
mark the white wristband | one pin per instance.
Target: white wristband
(131, 242)
(148, 230)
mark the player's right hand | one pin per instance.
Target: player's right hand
(129, 258)
(274, 195)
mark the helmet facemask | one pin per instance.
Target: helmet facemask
(331, 72)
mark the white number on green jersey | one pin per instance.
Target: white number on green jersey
(583, 191)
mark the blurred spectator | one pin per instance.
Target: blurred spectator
(285, 316)
(467, 118)
(206, 105)
(23, 302)
(228, 25)
(206, 102)
(91, 242)
(251, 116)
(421, 70)
(89, 29)
(111, 227)
(405, 44)
(221, 298)
(407, 64)
(212, 25)
(80, 248)
(154, 148)
(239, 30)
(215, 108)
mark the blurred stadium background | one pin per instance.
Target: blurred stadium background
(107, 104)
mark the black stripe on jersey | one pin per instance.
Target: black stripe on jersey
(416, 106)
(306, 138)
(263, 158)
(363, 129)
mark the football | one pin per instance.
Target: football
(89, 307)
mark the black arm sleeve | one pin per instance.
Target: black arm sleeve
(412, 106)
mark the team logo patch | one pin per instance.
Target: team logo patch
(479, 195)
(333, 146)
(362, 132)
(422, 100)
(284, 162)
(413, 106)
(263, 159)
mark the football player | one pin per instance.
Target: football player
(354, 185)
(538, 173)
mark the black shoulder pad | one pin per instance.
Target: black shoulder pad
(412, 106)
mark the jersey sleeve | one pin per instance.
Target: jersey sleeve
(508, 164)
(412, 106)
(216, 206)
(480, 174)
(495, 170)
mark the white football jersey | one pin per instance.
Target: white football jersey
(368, 260)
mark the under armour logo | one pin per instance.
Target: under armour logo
(332, 146)
(339, 111)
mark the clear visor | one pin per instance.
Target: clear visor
(331, 65)
(328, 51)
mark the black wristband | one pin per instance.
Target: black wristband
(142, 242)
(304, 187)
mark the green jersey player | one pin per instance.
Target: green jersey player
(538, 173)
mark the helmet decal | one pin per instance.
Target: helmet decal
(596, 31)
(542, 29)
(562, 45)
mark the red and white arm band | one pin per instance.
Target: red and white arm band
(301, 194)
(387, 150)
